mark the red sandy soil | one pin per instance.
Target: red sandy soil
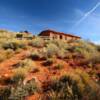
(6, 66)
(42, 76)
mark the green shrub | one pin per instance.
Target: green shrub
(35, 56)
(52, 50)
(86, 49)
(91, 61)
(14, 45)
(18, 93)
(21, 91)
(94, 60)
(62, 54)
(64, 89)
(48, 62)
(2, 58)
(20, 72)
(60, 44)
(73, 86)
(25, 66)
(37, 42)
(59, 66)
(9, 53)
(43, 53)
(31, 87)
(4, 93)
(10, 45)
(98, 47)
(29, 65)
(22, 46)
(19, 35)
(17, 78)
(6, 54)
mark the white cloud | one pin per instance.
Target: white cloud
(97, 42)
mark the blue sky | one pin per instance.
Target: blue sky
(79, 17)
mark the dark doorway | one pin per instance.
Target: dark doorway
(60, 36)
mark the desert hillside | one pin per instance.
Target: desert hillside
(34, 69)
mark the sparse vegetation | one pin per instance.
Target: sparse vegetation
(21, 91)
(35, 55)
(48, 62)
(52, 50)
(59, 66)
(17, 78)
(73, 86)
(61, 70)
(4, 93)
(37, 42)
(64, 89)
(6, 54)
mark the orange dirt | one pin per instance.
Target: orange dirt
(42, 76)
(6, 66)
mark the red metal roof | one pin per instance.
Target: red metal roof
(47, 32)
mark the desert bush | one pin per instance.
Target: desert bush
(64, 89)
(70, 48)
(59, 66)
(86, 49)
(13, 44)
(20, 72)
(6, 34)
(29, 65)
(10, 45)
(31, 87)
(48, 62)
(9, 53)
(94, 60)
(37, 42)
(35, 55)
(60, 44)
(25, 62)
(26, 65)
(89, 91)
(17, 78)
(52, 50)
(6, 54)
(89, 47)
(18, 93)
(22, 46)
(73, 86)
(98, 47)
(21, 91)
(91, 61)
(23, 68)
(43, 53)
(62, 54)
(2, 57)
(4, 93)
(69, 56)
(19, 35)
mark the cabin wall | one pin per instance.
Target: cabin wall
(53, 36)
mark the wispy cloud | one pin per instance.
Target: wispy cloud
(87, 14)
(97, 42)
